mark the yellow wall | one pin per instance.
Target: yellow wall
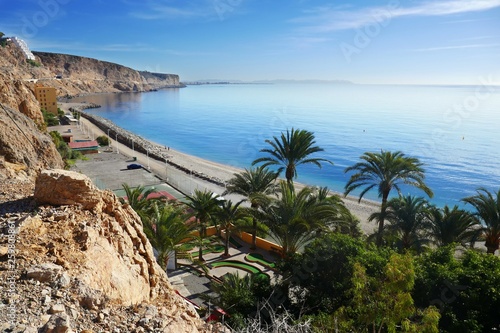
(47, 97)
(261, 243)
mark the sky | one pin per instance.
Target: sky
(373, 42)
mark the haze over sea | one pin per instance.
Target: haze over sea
(454, 130)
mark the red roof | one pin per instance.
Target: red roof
(83, 144)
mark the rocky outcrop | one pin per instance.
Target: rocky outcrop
(24, 150)
(16, 90)
(87, 75)
(87, 266)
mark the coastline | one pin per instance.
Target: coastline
(206, 171)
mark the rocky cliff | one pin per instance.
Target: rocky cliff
(84, 264)
(87, 75)
(75, 259)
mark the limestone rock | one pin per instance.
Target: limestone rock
(61, 187)
(46, 272)
(58, 323)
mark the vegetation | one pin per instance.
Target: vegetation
(385, 171)
(67, 154)
(49, 118)
(487, 206)
(3, 41)
(203, 206)
(295, 218)
(290, 151)
(255, 184)
(33, 63)
(423, 275)
(103, 140)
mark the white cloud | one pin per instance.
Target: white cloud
(327, 19)
(454, 47)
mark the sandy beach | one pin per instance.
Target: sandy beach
(198, 166)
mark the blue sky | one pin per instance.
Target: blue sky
(390, 41)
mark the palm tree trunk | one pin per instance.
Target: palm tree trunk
(200, 254)
(226, 250)
(383, 209)
(254, 234)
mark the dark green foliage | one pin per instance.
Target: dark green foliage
(103, 140)
(60, 112)
(464, 289)
(33, 63)
(239, 296)
(49, 118)
(322, 274)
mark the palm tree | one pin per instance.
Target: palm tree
(408, 222)
(296, 217)
(255, 184)
(290, 151)
(229, 215)
(454, 225)
(137, 198)
(166, 229)
(385, 171)
(203, 205)
(488, 212)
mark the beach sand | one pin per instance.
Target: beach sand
(219, 171)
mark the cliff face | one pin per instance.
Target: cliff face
(24, 150)
(75, 259)
(84, 263)
(15, 89)
(87, 75)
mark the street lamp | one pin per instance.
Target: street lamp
(109, 140)
(116, 140)
(147, 155)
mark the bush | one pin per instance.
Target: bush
(33, 63)
(103, 140)
(49, 118)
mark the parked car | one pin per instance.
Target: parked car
(134, 166)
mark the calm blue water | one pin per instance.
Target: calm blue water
(455, 131)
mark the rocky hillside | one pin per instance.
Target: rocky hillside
(72, 257)
(83, 264)
(87, 75)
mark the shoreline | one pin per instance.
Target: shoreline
(192, 166)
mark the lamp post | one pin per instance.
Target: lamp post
(147, 155)
(109, 140)
(133, 151)
(116, 140)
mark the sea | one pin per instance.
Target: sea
(453, 130)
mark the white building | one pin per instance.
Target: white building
(24, 47)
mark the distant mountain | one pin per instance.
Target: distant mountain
(275, 81)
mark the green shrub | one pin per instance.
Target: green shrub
(103, 140)
(49, 118)
(33, 63)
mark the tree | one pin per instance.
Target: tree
(237, 296)
(228, 215)
(166, 228)
(295, 218)
(203, 205)
(318, 280)
(384, 303)
(454, 225)
(464, 288)
(488, 212)
(255, 184)
(137, 198)
(290, 151)
(408, 217)
(385, 171)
